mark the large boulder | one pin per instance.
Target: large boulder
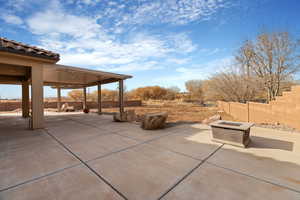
(212, 119)
(66, 108)
(154, 121)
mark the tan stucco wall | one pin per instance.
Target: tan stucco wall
(285, 110)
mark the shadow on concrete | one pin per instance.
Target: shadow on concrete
(177, 123)
(275, 166)
(268, 143)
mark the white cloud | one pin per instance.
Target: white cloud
(165, 11)
(17, 4)
(200, 71)
(56, 21)
(81, 41)
(182, 43)
(12, 19)
(178, 61)
(210, 52)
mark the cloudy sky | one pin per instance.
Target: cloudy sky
(159, 42)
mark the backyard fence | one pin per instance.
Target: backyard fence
(11, 106)
(284, 110)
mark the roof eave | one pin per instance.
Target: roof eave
(3, 49)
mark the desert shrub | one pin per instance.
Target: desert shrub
(154, 93)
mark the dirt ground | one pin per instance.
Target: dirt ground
(177, 112)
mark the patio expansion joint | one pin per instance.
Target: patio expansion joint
(39, 177)
(114, 132)
(256, 178)
(141, 143)
(80, 122)
(85, 164)
(137, 140)
(189, 173)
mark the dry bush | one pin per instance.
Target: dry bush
(233, 86)
(106, 95)
(195, 90)
(153, 93)
(76, 95)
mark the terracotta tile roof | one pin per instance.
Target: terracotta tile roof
(20, 48)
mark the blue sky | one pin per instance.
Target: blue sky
(159, 42)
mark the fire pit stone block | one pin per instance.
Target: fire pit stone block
(234, 133)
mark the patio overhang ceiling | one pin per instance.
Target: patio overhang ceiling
(68, 77)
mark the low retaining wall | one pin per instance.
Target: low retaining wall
(285, 110)
(11, 106)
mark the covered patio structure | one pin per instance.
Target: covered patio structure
(26, 65)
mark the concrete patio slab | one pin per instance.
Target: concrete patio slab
(28, 154)
(272, 155)
(197, 143)
(71, 131)
(141, 164)
(214, 183)
(13, 121)
(96, 147)
(77, 183)
(143, 172)
(104, 123)
(136, 132)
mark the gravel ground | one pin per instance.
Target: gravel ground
(280, 127)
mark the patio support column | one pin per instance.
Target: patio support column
(84, 98)
(121, 96)
(58, 99)
(37, 100)
(99, 100)
(25, 99)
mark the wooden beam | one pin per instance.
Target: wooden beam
(87, 71)
(109, 80)
(13, 70)
(12, 79)
(23, 60)
(64, 85)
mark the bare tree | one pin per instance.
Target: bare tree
(232, 85)
(194, 87)
(76, 95)
(273, 57)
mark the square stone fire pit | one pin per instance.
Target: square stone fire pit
(234, 133)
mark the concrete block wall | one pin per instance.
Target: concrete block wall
(284, 109)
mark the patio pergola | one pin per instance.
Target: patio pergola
(31, 66)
